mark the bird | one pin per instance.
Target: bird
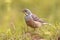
(33, 20)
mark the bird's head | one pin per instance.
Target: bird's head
(27, 12)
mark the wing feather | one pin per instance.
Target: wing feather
(35, 18)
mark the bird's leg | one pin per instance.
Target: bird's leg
(34, 29)
(27, 28)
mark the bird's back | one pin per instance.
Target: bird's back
(35, 18)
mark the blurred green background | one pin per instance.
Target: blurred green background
(12, 18)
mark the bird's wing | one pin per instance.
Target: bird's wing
(35, 18)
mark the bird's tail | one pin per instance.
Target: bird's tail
(47, 24)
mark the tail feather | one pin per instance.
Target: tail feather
(46, 23)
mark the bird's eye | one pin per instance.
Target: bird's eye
(25, 10)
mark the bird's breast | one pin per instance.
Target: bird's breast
(29, 20)
(30, 23)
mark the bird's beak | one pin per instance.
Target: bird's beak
(25, 12)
